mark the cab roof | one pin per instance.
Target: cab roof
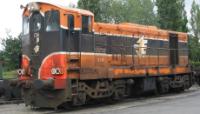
(74, 10)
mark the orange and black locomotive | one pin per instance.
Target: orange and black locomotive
(68, 58)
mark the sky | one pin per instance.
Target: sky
(11, 14)
(188, 4)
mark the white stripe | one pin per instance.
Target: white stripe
(64, 27)
(25, 56)
(77, 28)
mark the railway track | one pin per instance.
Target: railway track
(12, 101)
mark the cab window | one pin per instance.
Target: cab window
(52, 20)
(71, 22)
(36, 22)
(86, 24)
(25, 25)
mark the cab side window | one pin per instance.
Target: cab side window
(86, 24)
(52, 21)
(71, 22)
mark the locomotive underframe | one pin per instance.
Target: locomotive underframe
(79, 92)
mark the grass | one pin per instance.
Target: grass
(10, 74)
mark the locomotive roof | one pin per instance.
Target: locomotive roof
(131, 29)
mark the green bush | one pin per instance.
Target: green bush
(10, 74)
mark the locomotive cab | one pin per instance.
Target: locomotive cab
(48, 29)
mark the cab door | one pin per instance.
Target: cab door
(173, 46)
(87, 48)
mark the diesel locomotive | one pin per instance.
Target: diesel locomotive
(68, 58)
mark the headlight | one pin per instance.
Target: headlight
(21, 72)
(56, 71)
(33, 7)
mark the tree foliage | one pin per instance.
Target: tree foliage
(194, 49)
(194, 40)
(171, 15)
(10, 54)
(195, 20)
(117, 11)
(99, 7)
(139, 11)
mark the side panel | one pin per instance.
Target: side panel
(142, 57)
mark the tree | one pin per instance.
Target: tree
(195, 20)
(194, 47)
(171, 15)
(98, 7)
(10, 54)
(116, 11)
(194, 39)
(140, 11)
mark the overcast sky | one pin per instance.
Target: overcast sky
(10, 19)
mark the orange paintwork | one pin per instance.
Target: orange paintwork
(25, 65)
(92, 68)
(103, 66)
(56, 60)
